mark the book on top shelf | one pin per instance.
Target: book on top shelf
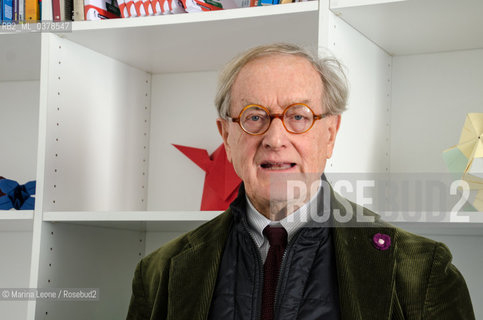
(56, 10)
(32, 10)
(7, 11)
(78, 13)
(62, 10)
(15, 11)
(21, 10)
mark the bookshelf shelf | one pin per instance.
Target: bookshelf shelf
(180, 221)
(183, 221)
(16, 221)
(196, 41)
(131, 216)
(6, 215)
(402, 28)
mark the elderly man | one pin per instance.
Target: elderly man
(275, 253)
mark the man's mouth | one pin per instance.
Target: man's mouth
(277, 165)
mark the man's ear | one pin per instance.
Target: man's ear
(333, 128)
(223, 130)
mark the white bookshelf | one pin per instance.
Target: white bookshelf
(19, 116)
(404, 27)
(112, 96)
(196, 41)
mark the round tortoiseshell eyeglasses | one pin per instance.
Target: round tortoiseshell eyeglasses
(297, 118)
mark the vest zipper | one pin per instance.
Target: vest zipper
(260, 267)
(282, 270)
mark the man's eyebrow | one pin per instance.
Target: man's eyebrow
(304, 101)
(246, 102)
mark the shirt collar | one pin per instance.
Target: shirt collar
(292, 223)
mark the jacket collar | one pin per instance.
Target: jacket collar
(365, 274)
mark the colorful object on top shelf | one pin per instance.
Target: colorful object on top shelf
(19, 11)
(101, 9)
(32, 10)
(269, 2)
(8, 11)
(142, 8)
(203, 5)
(17, 196)
(221, 181)
(466, 158)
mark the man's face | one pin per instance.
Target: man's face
(275, 82)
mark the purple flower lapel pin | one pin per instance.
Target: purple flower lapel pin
(381, 241)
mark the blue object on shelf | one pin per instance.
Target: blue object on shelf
(1, 178)
(17, 196)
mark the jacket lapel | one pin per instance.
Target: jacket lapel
(366, 275)
(193, 272)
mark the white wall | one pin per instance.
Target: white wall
(15, 251)
(431, 95)
(19, 129)
(182, 112)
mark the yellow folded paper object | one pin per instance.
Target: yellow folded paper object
(466, 158)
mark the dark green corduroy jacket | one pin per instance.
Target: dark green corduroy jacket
(413, 279)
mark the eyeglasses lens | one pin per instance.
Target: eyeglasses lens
(255, 120)
(298, 118)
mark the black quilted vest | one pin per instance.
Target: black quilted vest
(307, 289)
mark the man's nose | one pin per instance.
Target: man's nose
(276, 135)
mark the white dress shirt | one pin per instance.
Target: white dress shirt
(292, 223)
